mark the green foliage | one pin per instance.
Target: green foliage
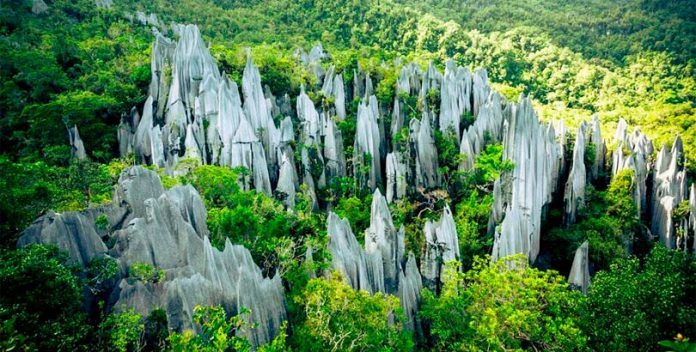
(99, 272)
(339, 318)
(357, 211)
(121, 331)
(471, 218)
(448, 151)
(634, 305)
(27, 190)
(275, 236)
(218, 333)
(42, 298)
(156, 331)
(72, 65)
(609, 222)
(680, 344)
(503, 306)
(145, 273)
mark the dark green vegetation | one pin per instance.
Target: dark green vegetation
(77, 64)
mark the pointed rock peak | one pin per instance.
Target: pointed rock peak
(245, 133)
(247, 51)
(579, 276)
(678, 146)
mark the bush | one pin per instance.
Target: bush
(635, 304)
(145, 272)
(339, 318)
(506, 305)
(43, 297)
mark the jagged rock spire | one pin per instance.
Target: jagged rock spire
(579, 276)
(167, 230)
(532, 148)
(442, 246)
(670, 189)
(77, 147)
(367, 147)
(247, 151)
(574, 195)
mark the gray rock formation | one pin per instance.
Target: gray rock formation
(533, 149)
(381, 266)
(339, 95)
(230, 116)
(257, 112)
(382, 242)
(366, 151)
(633, 151)
(431, 82)
(600, 150)
(77, 148)
(308, 116)
(104, 3)
(574, 195)
(72, 232)
(441, 247)
(669, 190)
(247, 151)
(427, 175)
(168, 231)
(579, 276)
(38, 7)
(487, 128)
(455, 97)
(480, 89)
(396, 177)
(333, 150)
(346, 254)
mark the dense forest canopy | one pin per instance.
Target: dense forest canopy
(71, 211)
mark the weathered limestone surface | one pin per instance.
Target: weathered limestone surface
(574, 195)
(396, 177)
(381, 266)
(579, 276)
(367, 146)
(247, 151)
(670, 189)
(600, 150)
(167, 229)
(427, 175)
(533, 149)
(633, 152)
(77, 147)
(442, 246)
(38, 7)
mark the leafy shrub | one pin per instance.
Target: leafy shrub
(145, 272)
(506, 305)
(339, 318)
(635, 304)
(43, 297)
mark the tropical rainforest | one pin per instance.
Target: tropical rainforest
(361, 175)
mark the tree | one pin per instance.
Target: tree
(43, 298)
(339, 318)
(217, 333)
(122, 331)
(503, 306)
(635, 304)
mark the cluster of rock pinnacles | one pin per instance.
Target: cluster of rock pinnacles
(195, 113)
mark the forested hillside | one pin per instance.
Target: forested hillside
(365, 175)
